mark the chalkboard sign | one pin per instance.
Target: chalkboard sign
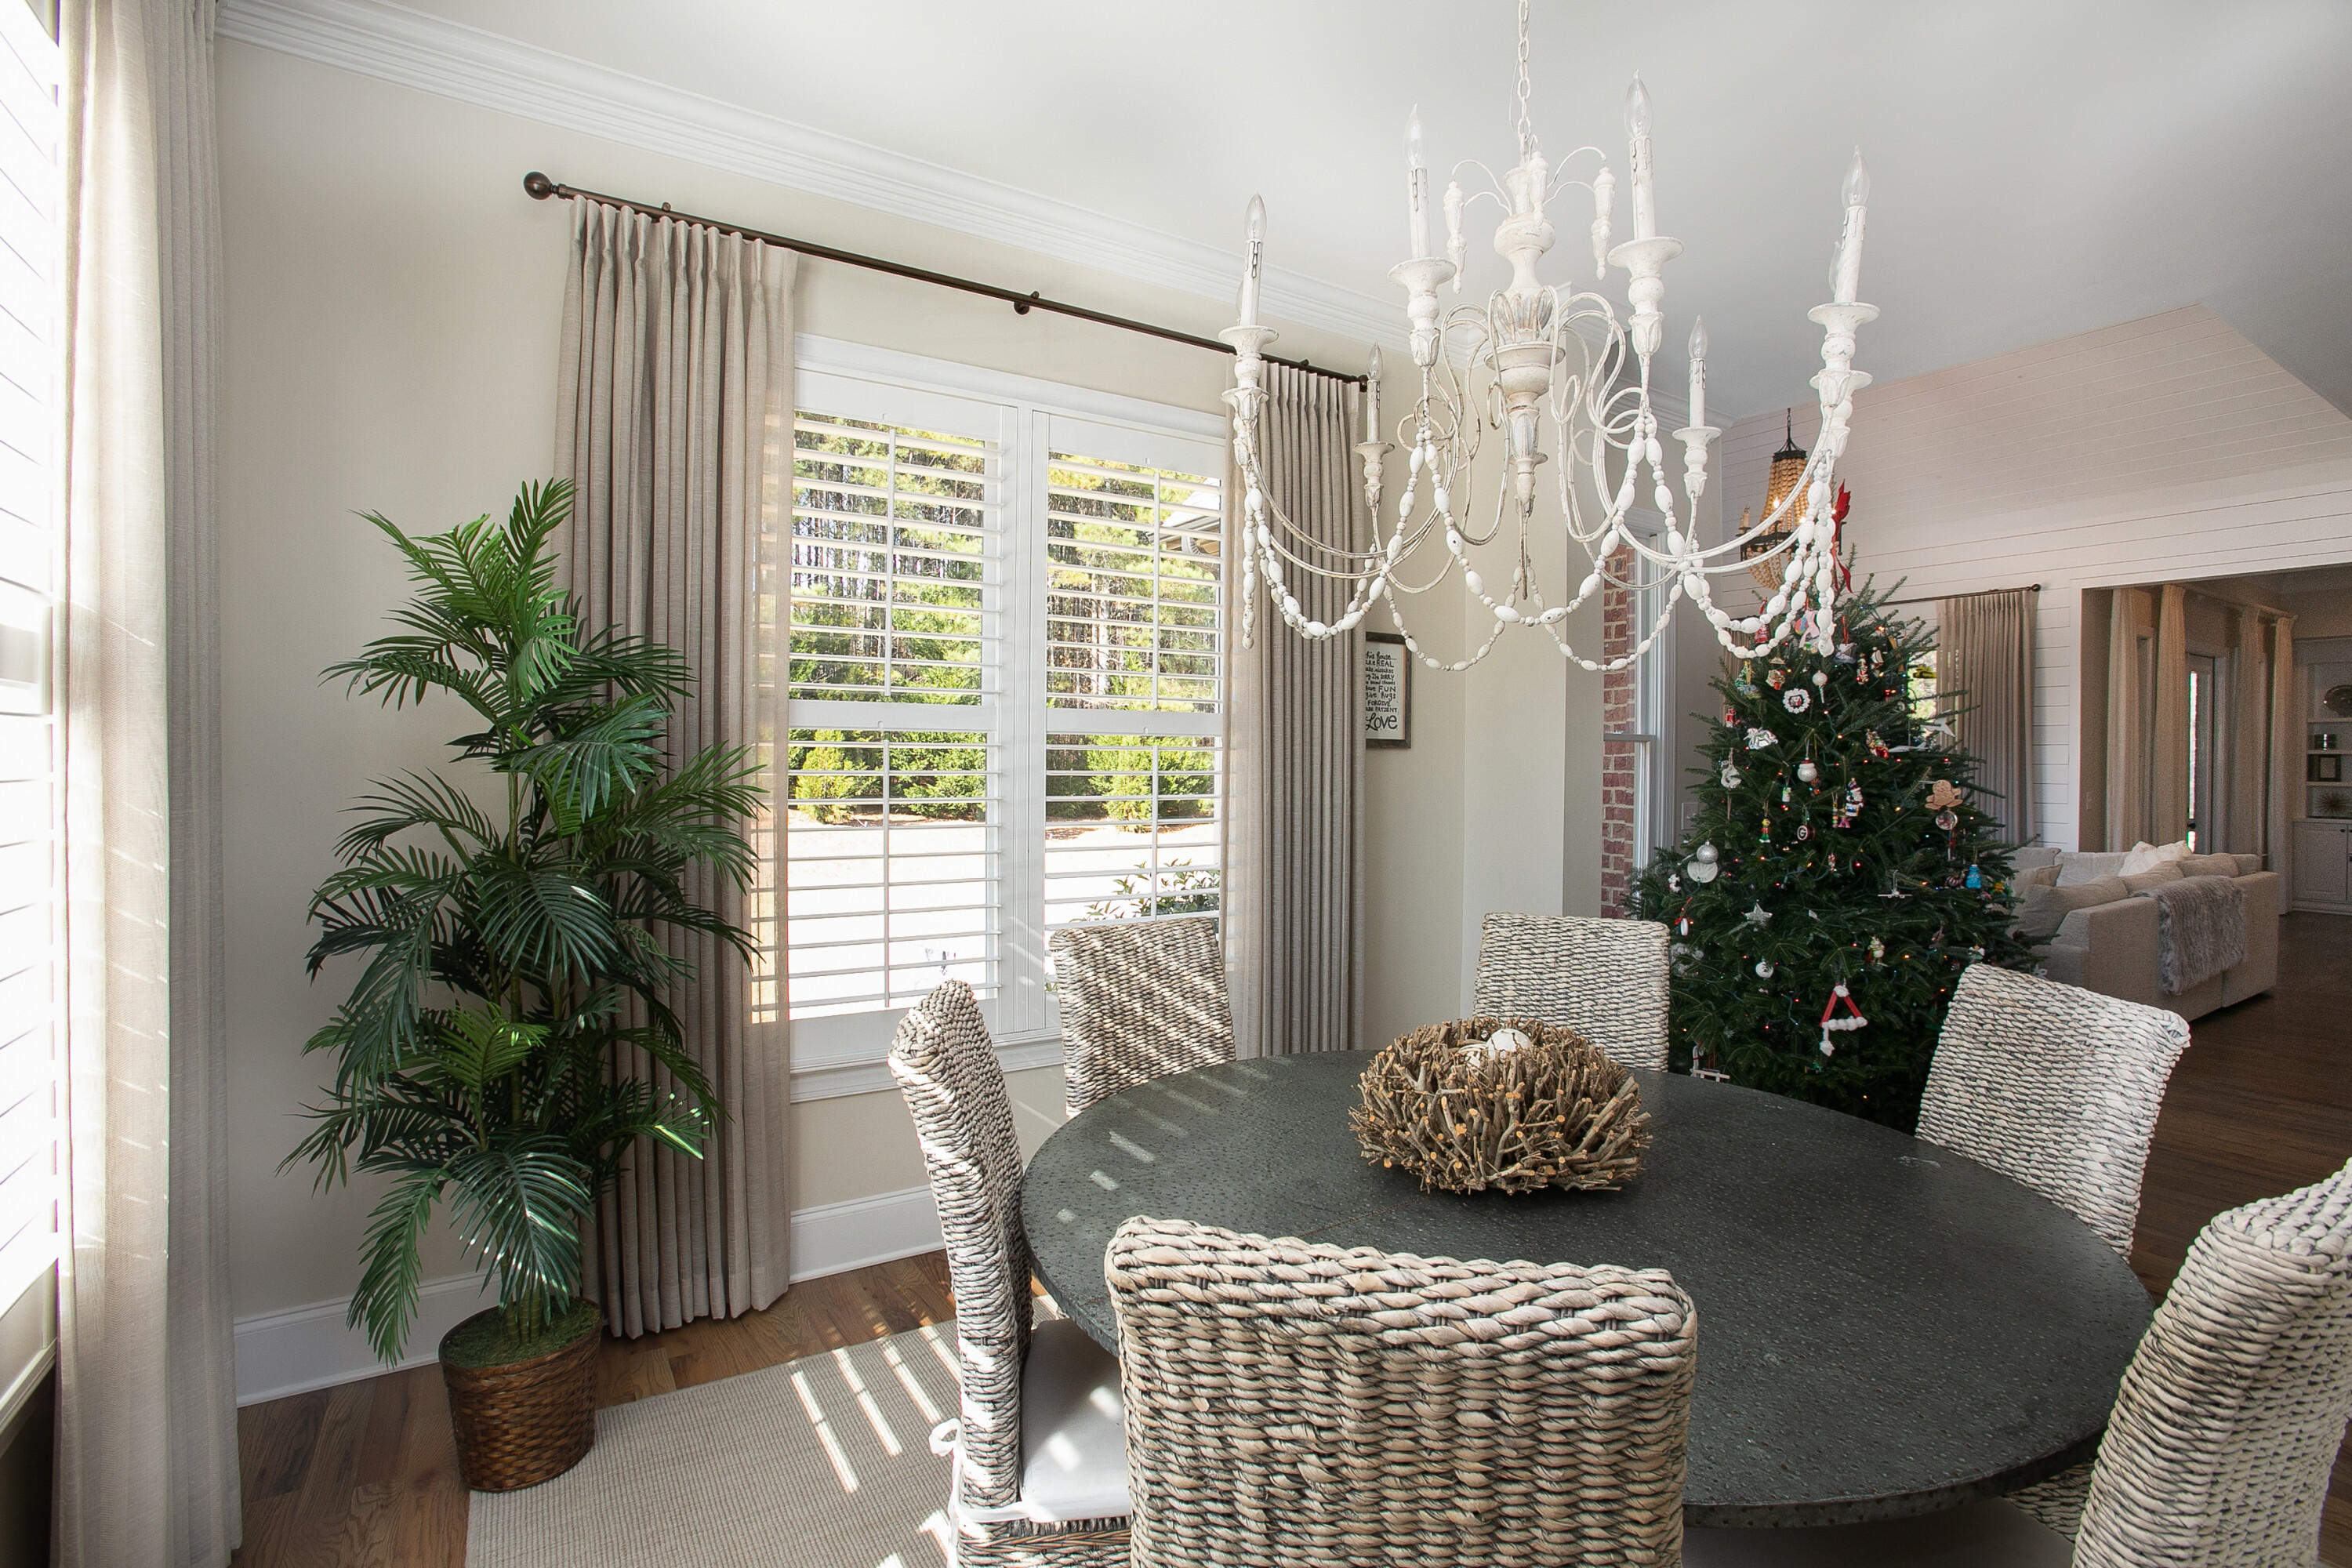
(1387, 690)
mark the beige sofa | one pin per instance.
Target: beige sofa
(2110, 947)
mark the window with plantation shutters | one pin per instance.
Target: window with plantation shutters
(1134, 689)
(1004, 674)
(30, 253)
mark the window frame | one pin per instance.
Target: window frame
(844, 1054)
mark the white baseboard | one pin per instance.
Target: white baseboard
(833, 1238)
(305, 1348)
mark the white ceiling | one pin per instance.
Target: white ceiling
(2039, 168)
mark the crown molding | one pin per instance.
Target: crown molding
(449, 59)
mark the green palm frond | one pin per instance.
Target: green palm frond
(519, 1206)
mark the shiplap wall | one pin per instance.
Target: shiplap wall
(2166, 448)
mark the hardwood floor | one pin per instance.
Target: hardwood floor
(365, 1474)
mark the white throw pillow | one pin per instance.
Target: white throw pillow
(2075, 868)
(2147, 857)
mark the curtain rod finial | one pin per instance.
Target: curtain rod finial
(539, 185)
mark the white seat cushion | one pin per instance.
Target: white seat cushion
(1073, 1427)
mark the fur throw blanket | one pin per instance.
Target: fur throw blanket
(2200, 930)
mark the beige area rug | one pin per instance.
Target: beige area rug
(819, 1462)
(826, 1463)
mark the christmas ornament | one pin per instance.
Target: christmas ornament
(1731, 716)
(1759, 915)
(1948, 820)
(1975, 878)
(1797, 701)
(1758, 738)
(1877, 950)
(1701, 867)
(1877, 747)
(1838, 993)
(1805, 831)
(1807, 772)
(1784, 795)
(1763, 969)
(1777, 678)
(1731, 774)
(1941, 796)
(1822, 678)
(1674, 883)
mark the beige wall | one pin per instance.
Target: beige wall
(393, 303)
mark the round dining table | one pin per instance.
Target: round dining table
(1884, 1327)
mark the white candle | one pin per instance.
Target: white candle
(1637, 123)
(1455, 248)
(1256, 256)
(1698, 372)
(1416, 181)
(1849, 261)
(1372, 397)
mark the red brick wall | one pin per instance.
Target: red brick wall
(1617, 774)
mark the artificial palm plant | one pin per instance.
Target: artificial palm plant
(513, 953)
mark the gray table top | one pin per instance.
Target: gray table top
(1886, 1327)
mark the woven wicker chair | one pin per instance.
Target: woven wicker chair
(1039, 1473)
(2055, 1087)
(1604, 979)
(1140, 999)
(1307, 1406)
(2227, 1427)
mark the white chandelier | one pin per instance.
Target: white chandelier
(1535, 349)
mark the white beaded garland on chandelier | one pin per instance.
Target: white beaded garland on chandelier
(1533, 350)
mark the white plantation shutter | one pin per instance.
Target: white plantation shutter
(894, 833)
(1006, 691)
(30, 255)
(1134, 688)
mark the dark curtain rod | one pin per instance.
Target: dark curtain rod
(1980, 594)
(541, 188)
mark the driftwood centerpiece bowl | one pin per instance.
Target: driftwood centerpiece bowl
(1538, 1107)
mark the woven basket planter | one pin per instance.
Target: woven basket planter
(526, 1422)
(1552, 1113)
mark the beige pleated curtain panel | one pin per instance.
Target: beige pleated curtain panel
(1293, 902)
(674, 424)
(146, 1437)
(1985, 665)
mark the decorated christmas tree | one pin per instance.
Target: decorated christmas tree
(1837, 878)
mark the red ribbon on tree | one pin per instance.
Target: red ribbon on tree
(1837, 533)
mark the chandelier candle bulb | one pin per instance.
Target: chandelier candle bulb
(1372, 397)
(1849, 261)
(1637, 125)
(1257, 259)
(1698, 371)
(1416, 180)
